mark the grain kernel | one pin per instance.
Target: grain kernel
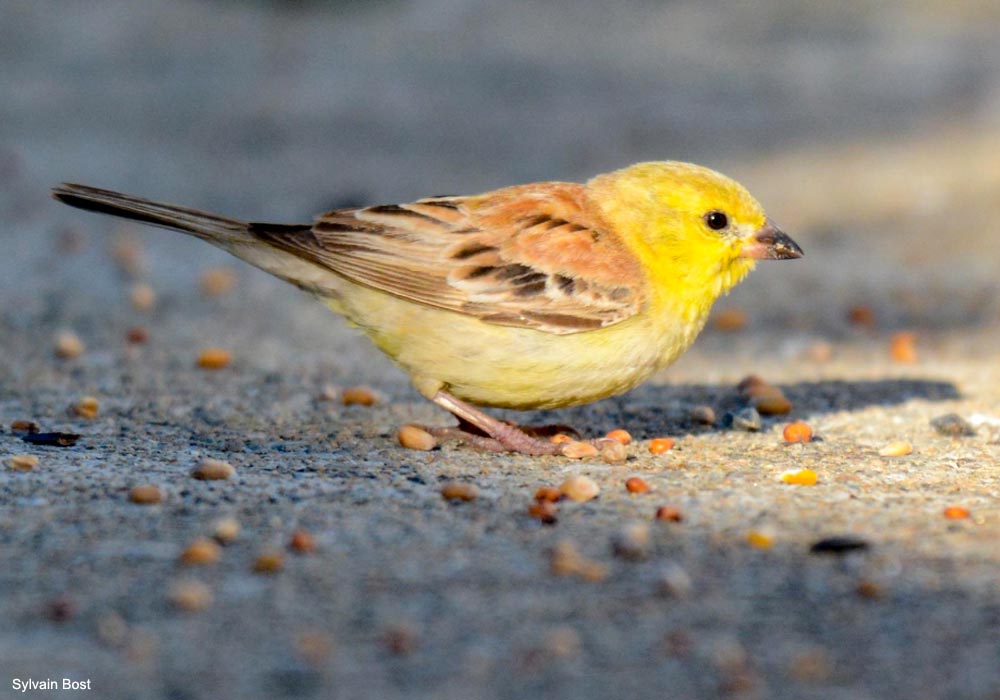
(578, 450)
(760, 539)
(137, 335)
(214, 358)
(68, 345)
(548, 493)
(146, 494)
(190, 596)
(400, 639)
(560, 438)
(212, 470)
(903, 347)
(670, 514)
(142, 297)
(302, 542)
(358, 395)
(458, 491)
(413, 437)
(861, 315)
(956, 512)
(216, 281)
(613, 452)
(545, 511)
(620, 435)
(898, 448)
(636, 484)
(658, 446)
(200, 552)
(567, 561)
(87, 407)
(800, 477)
(730, 320)
(24, 427)
(579, 488)
(797, 432)
(226, 530)
(269, 563)
(23, 463)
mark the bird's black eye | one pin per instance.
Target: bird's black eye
(716, 220)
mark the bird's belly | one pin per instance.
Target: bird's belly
(510, 367)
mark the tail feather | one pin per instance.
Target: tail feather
(218, 229)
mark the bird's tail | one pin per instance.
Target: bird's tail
(216, 229)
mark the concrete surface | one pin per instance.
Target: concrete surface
(869, 134)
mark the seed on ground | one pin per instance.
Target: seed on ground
(730, 320)
(400, 639)
(548, 493)
(575, 449)
(23, 463)
(897, 448)
(579, 488)
(674, 581)
(670, 514)
(869, 589)
(953, 425)
(146, 494)
(459, 491)
(636, 484)
(619, 435)
(772, 404)
(760, 539)
(546, 511)
(613, 452)
(819, 352)
(703, 415)
(216, 281)
(210, 469)
(214, 358)
(565, 560)
(88, 407)
(314, 646)
(200, 552)
(302, 542)
(190, 596)
(632, 541)
(560, 439)
(226, 530)
(658, 446)
(21, 427)
(68, 345)
(413, 437)
(358, 395)
(137, 335)
(269, 563)
(562, 642)
(142, 297)
(797, 432)
(903, 347)
(127, 254)
(800, 477)
(61, 609)
(956, 512)
(861, 315)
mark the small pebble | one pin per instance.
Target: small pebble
(903, 347)
(190, 596)
(546, 511)
(127, 254)
(632, 541)
(579, 450)
(674, 581)
(636, 484)
(548, 493)
(87, 407)
(772, 404)
(730, 320)
(797, 432)
(214, 358)
(669, 514)
(752, 384)
(23, 463)
(953, 425)
(400, 639)
(745, 419)
(269, 563)
(839, 545)
(620, 435)
(760, 539)
(869, 589)
(579, 488)
(20, 427)
(137, 335)
(216, 281)
(799, 477)
(200, 552)
(68, 345)
(413, 437)
(61, 609)
(658, 446)
(703, 415)
(51, 439)
(302, 542)
(563, 642)
(459, 491)
(956, 513)
(899, 448)
(358, 396)
(212, 470)
(146, 494)
(226, 530)
(613, 452)
(112, 630)
(142, 297)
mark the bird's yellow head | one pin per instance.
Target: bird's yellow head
(696, 231)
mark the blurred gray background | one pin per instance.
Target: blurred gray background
(869, 130)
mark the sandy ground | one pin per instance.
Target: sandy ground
(870, 136)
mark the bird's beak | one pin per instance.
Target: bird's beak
(770, 243)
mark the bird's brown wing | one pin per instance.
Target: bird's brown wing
(535, 256)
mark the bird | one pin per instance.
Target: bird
(534, 296)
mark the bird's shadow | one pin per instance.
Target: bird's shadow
(653, 410)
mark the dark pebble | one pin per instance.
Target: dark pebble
(51, 439)
(953, 425)
(746, 419)
(839, 545)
